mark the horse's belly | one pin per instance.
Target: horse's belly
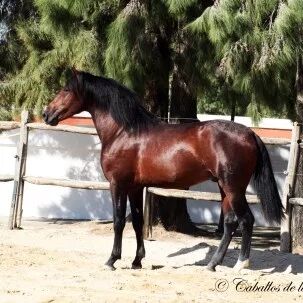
(178, 174)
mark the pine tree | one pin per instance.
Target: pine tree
(247, 45)
(137, 52)
(238, 54)
(148, 45)
(64, 33)
(150, 50)
(144, 44)
(289, 29)
(12, 52)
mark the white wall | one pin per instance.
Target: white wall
(74, 156)
(247, 121)
(57, 155)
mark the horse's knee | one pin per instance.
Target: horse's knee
(137, 223)
(119, 225)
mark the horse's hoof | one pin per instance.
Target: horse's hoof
(109, 267)
(241, 265)
(211, 267)
(136, 266)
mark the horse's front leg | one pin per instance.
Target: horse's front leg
(119, 197)
(136, 205)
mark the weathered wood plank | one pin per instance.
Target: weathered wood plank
(67, 183)
(285, 243)
(6, 178)
(195, 195)
(9, 125)
(146, 214)
(64, 128)
(12, 222)
(24, 140)
(92, 131)
(275, 141)
(296, 201)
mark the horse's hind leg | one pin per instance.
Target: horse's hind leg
(246, 222)
(136, 205)
(230, 225)
(119, 198)
(236, 212)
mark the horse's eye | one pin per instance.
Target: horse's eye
(65, 89)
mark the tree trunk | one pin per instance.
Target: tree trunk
(233, 110)
(297, 211)
(172, 212)
(156, 98)
(183, 103)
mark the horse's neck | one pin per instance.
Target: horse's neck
(105, 125)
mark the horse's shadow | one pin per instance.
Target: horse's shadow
(269, 260)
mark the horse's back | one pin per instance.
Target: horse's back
(186, 154)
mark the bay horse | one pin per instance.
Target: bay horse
(139, 151)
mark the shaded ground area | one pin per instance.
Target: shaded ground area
(62, 261)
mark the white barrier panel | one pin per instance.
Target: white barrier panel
(74, 156)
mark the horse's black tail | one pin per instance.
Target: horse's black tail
(266, 187)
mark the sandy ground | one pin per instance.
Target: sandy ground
(62, 261)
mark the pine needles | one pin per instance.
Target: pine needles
(239, 52)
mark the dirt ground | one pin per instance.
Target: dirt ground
(62, 261)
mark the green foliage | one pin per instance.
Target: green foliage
(254, 42)
(124, 62)
(65, 33)
(148, 43)
(223, 52)
(134, 54)
(180, 8)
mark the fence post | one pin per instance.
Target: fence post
(147, 227)
(22, 173)
(288, 189)
(16, 204)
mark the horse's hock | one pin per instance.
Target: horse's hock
(291, 227)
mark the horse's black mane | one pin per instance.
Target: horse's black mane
(123, 104)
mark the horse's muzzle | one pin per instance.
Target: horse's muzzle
(50, 118)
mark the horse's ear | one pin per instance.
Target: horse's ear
(74, 71)
(75, 74)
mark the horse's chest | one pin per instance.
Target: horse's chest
(118, 165)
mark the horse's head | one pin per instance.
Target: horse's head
(66, 103)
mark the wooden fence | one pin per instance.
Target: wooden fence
(20, 178)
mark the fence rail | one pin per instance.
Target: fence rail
(68, 183)
(296, 201)
(195, 195)
(19, 178)
(6, 178)
(9, 125)
(64, 128)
